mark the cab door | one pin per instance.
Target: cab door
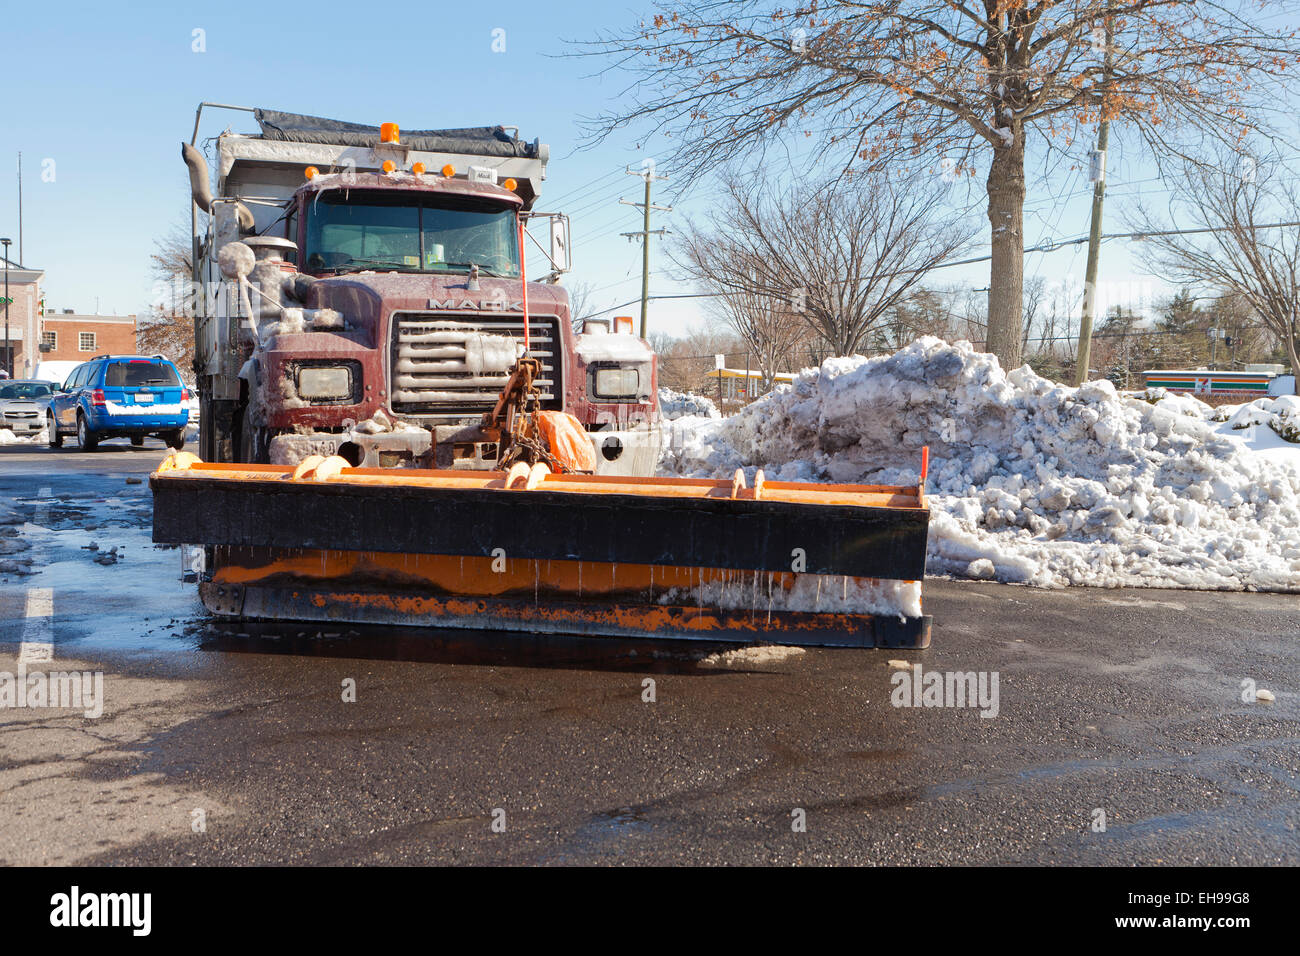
(65, 403)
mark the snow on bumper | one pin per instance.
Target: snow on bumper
(113, 415)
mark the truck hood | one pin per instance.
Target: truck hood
(365, 297)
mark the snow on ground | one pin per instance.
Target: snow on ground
(673, 405)
(757, 654)
(7, 437)
(1032, 481)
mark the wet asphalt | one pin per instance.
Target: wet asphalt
(226, 746)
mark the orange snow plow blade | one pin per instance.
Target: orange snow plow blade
(785, 562)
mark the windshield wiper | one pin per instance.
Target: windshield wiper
(481, 268)
(363, 264)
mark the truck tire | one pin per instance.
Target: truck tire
(174, 438)
(137, 441)
(254, 446)
(86, 439)
(52, 430)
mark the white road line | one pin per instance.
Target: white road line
(38, 626)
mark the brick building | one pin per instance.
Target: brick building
(70, 337)
(66, 336)
(24, 319)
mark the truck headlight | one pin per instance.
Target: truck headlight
(618, 383)
(325, 383)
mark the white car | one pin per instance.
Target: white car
(23, 404)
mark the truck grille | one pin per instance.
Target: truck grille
(453, 366)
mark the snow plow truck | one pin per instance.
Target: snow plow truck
(399, 425)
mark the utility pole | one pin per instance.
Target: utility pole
(1098, 201)
(648, 175)
(20, 208)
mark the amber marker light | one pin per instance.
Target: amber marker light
(311, 172)
(449, 170)
(510, 184)
(417, 168)
(389, 166)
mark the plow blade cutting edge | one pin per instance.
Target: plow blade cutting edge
(784, 562)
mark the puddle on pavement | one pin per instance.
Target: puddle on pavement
(132, 599)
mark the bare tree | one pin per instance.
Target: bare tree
(1053, 326)
(1229, 210)
(958, 83)
(168, 325)
(685, 363)
(771, 326)
(581, 304)
(922, 312)
(837, 260)
(1035, 303)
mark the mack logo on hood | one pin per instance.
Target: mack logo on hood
(492, 305)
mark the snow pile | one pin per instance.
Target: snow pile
(1030, 481)
(1280, 414)
(674, 405)
(7, 437)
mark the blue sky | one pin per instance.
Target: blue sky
(103, 94)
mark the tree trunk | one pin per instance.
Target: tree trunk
(1006, 188)
(1295, 362)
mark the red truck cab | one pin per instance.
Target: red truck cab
(387, 327)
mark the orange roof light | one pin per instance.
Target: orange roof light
(623, 323)
(389, 166)
(388, 133)
(510, 184)
(417, 168)
(311, 172)
(449, 170)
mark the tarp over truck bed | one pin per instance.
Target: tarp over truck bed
(476, 140)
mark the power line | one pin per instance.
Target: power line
(1051, 246)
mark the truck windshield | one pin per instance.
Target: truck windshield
(370, 232)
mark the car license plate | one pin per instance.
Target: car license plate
(144, 399)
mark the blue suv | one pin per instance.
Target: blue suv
(115, 396)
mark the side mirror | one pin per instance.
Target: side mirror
(560, 243)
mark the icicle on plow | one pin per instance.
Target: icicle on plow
(536, 551)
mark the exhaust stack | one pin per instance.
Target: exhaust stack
(202, 192)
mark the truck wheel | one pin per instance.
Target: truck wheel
(52, 430)
(137, 440)
(174, 439)
(85, 437)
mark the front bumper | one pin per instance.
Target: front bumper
(124, 422)
(632, 452)
(23, 426)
